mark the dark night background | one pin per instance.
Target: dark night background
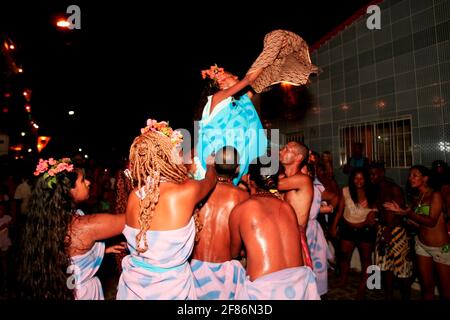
(134, 60)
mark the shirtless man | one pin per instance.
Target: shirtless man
(212, 256)
(299, 188)
(392, 249)
(266, 226)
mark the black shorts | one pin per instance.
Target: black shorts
(364, 234)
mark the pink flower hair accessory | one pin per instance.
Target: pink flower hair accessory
(164, 129)
(51, 168)
(214, 73)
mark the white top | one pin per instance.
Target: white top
(23, 192)
(207, 116)
(354, 213)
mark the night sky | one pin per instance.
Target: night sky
(132, 61)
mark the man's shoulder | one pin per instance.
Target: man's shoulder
(250, 202)
(229, 191)
(301, 177)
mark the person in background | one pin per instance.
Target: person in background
(21, 195)
(298, 189)
(440, 179)
(392, 248)
(326, 159)
(357, 159)
(433, 241)
(356, 220)
(5, 243)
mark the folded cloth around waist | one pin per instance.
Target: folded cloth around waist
(152, 268)
(298, 283)
(217, 281)
(141, 280)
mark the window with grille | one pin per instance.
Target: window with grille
(296, 137)
(387, 141)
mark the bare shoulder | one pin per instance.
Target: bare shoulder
(436, 196)
(187, 188)
(300, 178)
(241, 194)
(232, 192)
(247, 205)
(81, 224)
(285, 206)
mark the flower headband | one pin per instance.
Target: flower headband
(51, 167)
(163, 128)
(214, 73)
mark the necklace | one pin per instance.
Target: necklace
(268, 194)
(421, 198)
(419, 204)
(223, 180)
(264, 194)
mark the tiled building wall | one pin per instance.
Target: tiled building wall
(406, 64)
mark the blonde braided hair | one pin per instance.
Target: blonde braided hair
(151, 155)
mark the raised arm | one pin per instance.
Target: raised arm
(238, 86)
(200, 189)
(102, 226)
(295, 182)
(304, 187)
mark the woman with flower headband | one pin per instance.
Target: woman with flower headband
(61, 251)
(228, 119)
(160, 227)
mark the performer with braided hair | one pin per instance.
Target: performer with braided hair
(160, 227)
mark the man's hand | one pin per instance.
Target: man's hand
(394, 207)
(118, 248)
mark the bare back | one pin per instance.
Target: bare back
(173, 210)
(269, 231)
(214, 242)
